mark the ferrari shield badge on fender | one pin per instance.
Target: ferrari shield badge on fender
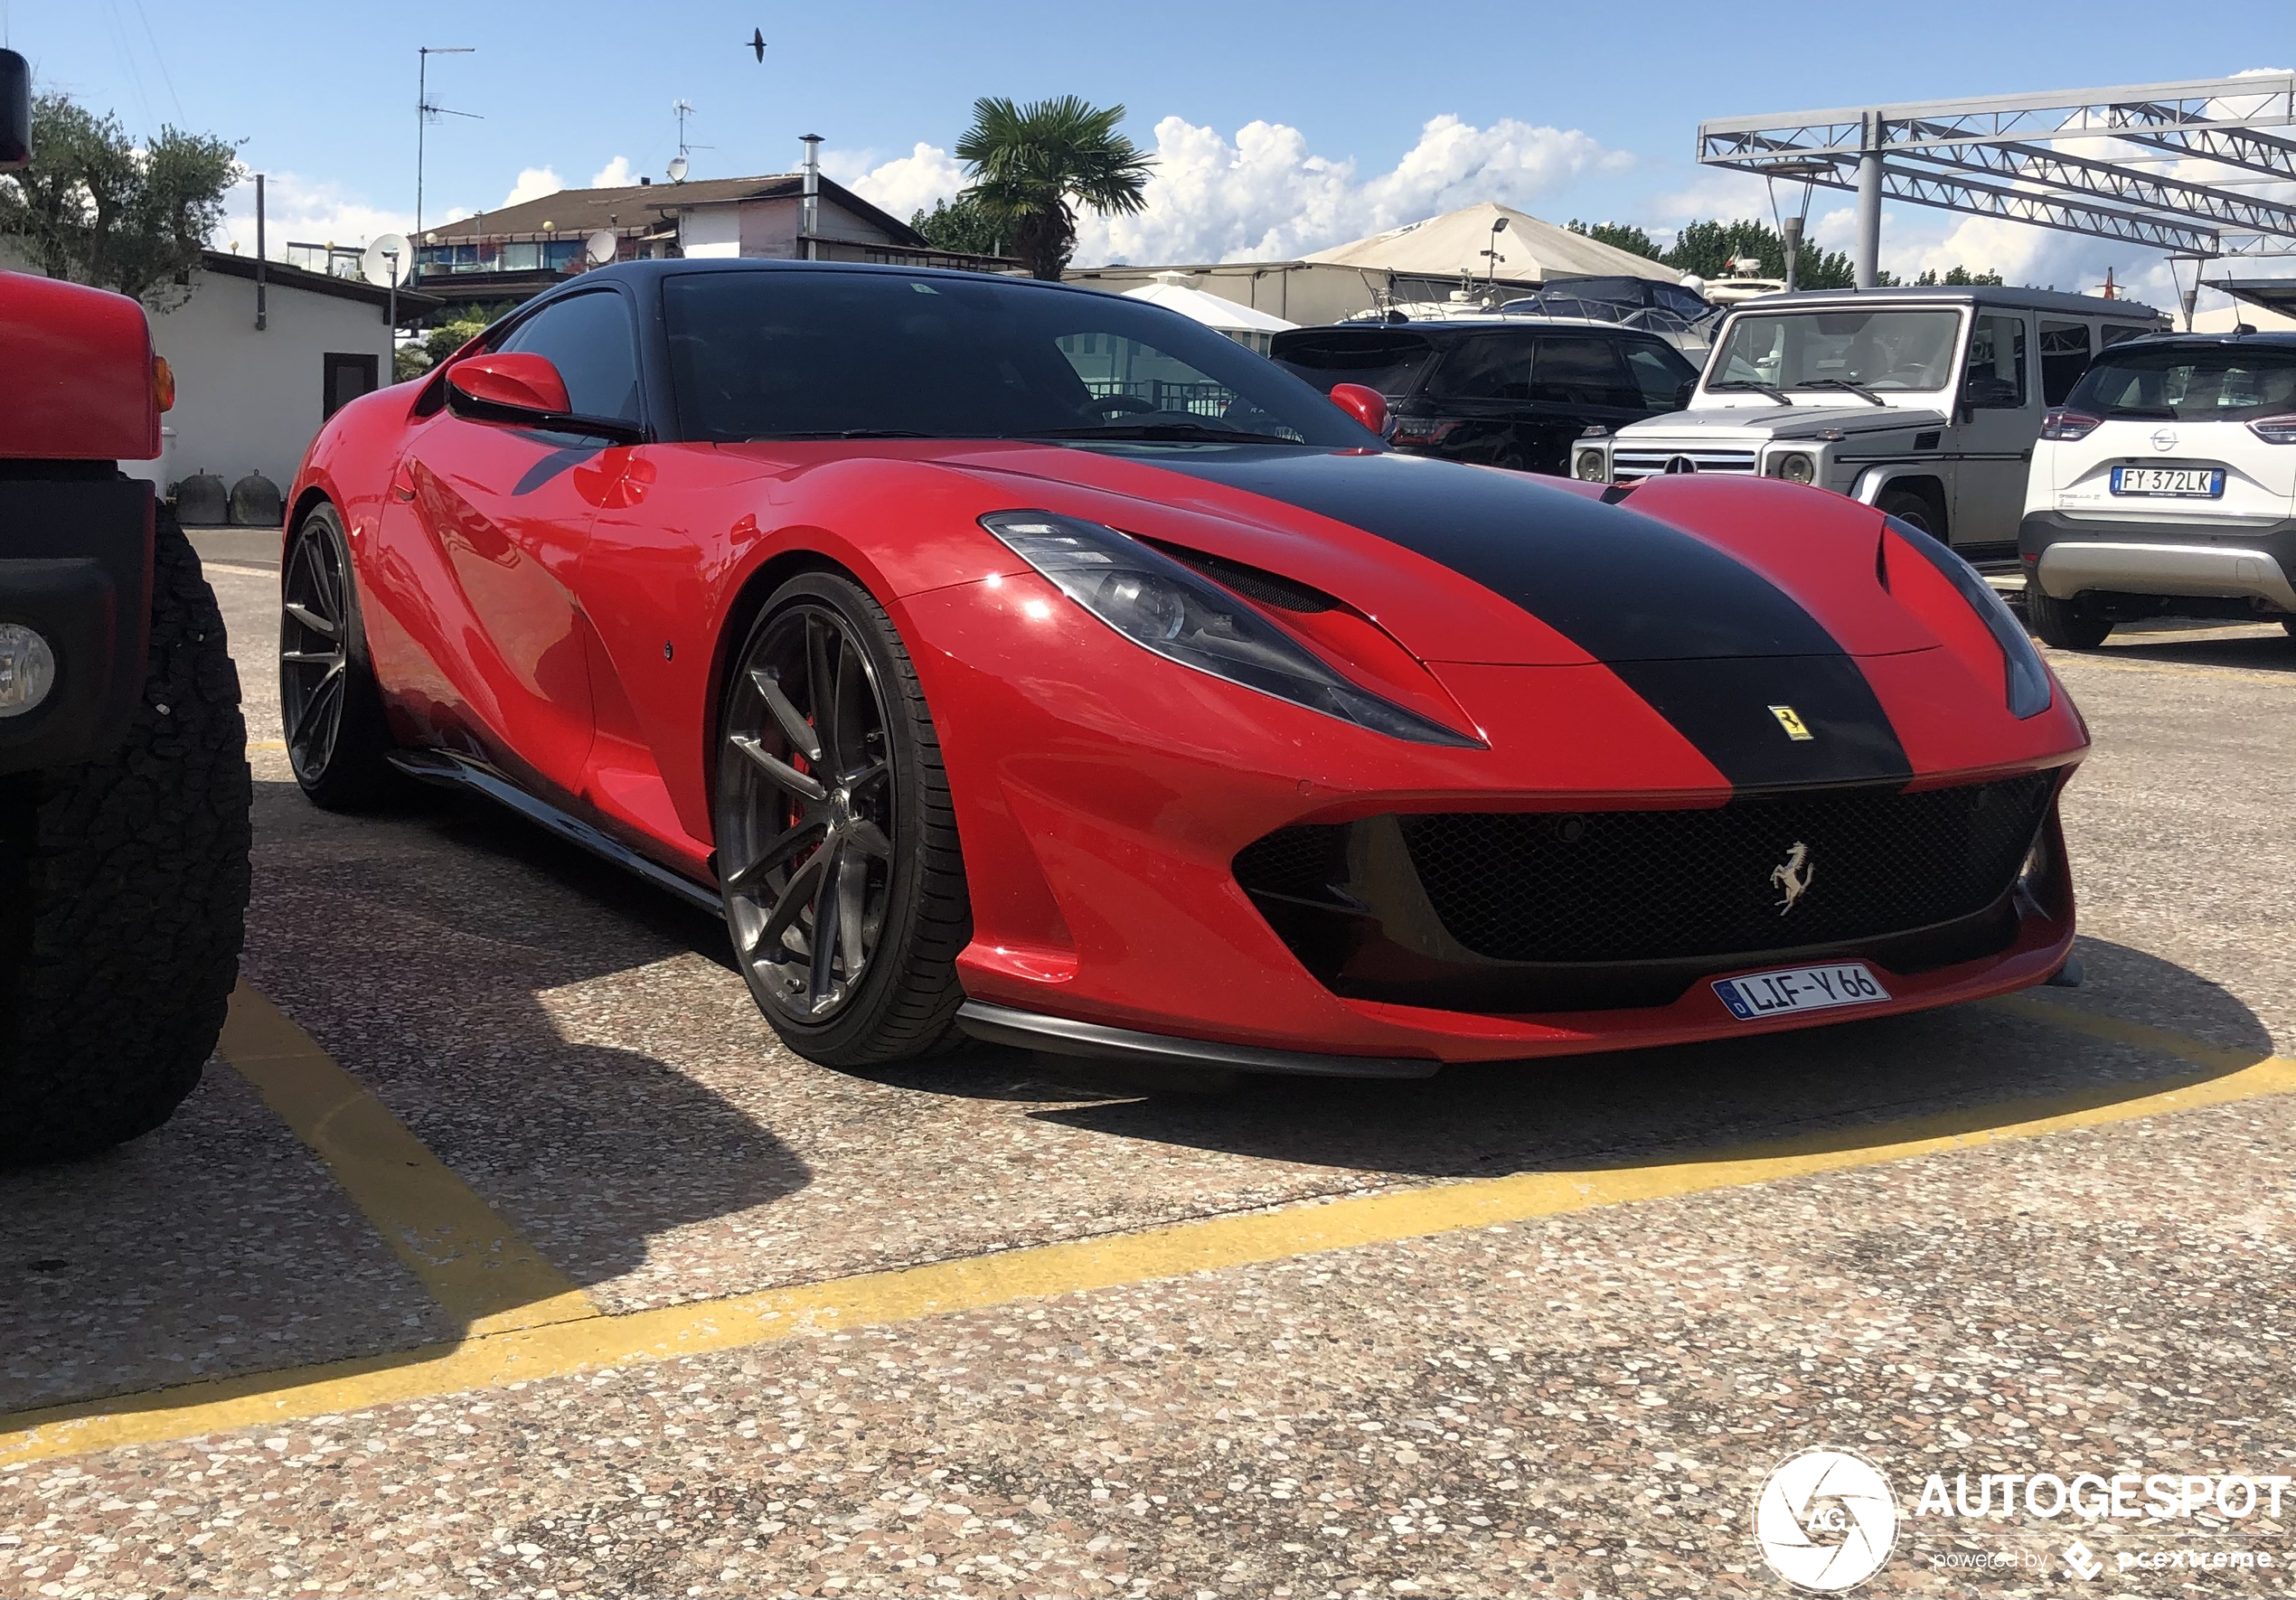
(1791, 721)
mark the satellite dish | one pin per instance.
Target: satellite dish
(378, 266)
(600, 246)
(678, 165)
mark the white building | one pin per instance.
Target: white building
(249, 399)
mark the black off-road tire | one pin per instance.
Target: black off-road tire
(1913, 510)
(123, 896)
(2289, 624)
(905, 1004)
(346, 765)
(2063, 624)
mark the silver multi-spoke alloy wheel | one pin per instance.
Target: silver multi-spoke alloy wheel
(836, 841)
(313, 653)
(810, 866)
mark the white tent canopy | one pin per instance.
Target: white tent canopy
(1530, 250)
(1171, 292)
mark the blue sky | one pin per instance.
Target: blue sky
(1581, 109)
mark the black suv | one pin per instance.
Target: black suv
(1506, 392)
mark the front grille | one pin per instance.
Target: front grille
(1625, 886)
(1628, 466)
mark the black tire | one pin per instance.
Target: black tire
(123, 896)
(2063, 624)
(2289, 624)
(1913, 510)
(330, 708)
(858, 827)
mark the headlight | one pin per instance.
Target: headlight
(27, 669)
(1588, 464)
(2028, 679)
(1796, 467)
(1162, 606)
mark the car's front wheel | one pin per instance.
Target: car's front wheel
(337, 738)
(2065, 625)
(836, 841)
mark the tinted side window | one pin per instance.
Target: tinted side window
(2115, 332)
(1493, 366)
(588, 339)
(1659, 373)
(1996, 375)
(2064, 356)
(1579, 371)
(1389, 362)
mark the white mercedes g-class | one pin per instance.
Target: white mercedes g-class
(1924, 402)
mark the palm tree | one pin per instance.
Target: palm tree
(1031, 164)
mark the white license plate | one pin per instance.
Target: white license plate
(2205, 482)
(1799, 989)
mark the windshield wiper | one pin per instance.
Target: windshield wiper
(1771, 389)
(1182, 432)
(1860, 389)
(847, 433)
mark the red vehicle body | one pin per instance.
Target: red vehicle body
(555, 619)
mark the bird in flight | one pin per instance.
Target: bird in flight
(758, 44)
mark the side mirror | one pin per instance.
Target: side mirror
(1367, 406)
(507, 387)
(15, 110)
(1682, 395)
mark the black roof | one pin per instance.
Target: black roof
(1468, 327)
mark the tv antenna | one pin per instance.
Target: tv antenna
(683, 161)
(426, 113)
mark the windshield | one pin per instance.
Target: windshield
(828, 354)
(1884, 350)
(2228, 382)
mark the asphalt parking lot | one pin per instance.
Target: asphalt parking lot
(503, 1252)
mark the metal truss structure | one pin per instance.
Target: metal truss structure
(2161, 165)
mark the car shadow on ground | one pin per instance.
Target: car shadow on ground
(2199, 645)
(1844, 1086)
(217, 1244)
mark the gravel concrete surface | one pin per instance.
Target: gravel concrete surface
(1585, 1404)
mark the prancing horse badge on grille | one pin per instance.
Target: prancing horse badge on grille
(1792, 875)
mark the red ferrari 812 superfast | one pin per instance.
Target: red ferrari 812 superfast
(1021, 661)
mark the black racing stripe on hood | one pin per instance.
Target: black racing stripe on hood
(1708, 641)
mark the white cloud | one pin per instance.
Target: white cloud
(1265, 196)
(309, 211)
(902, 186)
(615, 175)
(534, 182)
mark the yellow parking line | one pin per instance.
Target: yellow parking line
(471, 1260)
(669, 1333)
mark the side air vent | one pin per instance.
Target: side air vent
(1253, 583)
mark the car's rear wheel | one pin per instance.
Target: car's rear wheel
(338, 741)
(837, 848)
(2289, 624)
(2066, 624)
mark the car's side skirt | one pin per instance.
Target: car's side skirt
(451, 771)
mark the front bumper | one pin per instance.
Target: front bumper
(1105, 799)
(2069, 557)
(76, 568)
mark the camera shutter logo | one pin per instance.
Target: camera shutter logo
(1826, 1520)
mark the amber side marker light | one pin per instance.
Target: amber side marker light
(163, 383)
